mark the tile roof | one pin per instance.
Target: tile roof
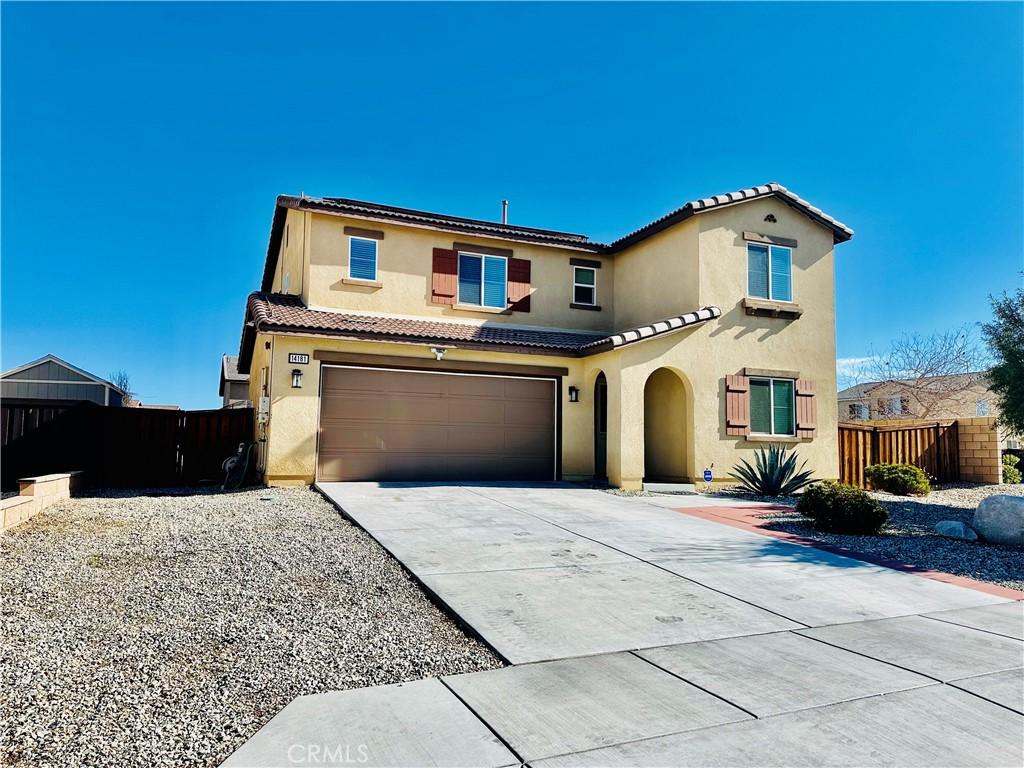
(274, 312)
(840, 231)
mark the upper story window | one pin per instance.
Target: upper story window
(584, 286)
(981, 407)
(859, 411)
(362, 258)
(769, 272)
(772, 407)
(483, 280)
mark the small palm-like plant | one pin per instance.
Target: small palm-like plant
(774, 473)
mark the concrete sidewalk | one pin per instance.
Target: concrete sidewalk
(649, 637)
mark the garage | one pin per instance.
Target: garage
(389, 424)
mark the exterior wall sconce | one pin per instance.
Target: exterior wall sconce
(574, 394)
(296, 378)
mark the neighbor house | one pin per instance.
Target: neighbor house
(394, 344)
(52, 381)
(234, 386)
(957, 396)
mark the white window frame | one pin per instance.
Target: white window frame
(771, 247)
(458, 279)
(771, 405)
(575, 285)
(376, 257)
(980, 406)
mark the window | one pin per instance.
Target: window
(981, 408)
(894, 406)
(362, 258)
(858, 411)
(772, 407)
(584, 286)
(769, 272)
(483, 280)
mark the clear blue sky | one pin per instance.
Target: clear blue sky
(143, 146)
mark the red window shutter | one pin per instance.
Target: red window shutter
(519, 285)
(445, 276)
(737, 405)
(806, 409)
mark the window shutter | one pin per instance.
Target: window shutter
(806, 409)
(519, 285)
(444, 278)
(737, 405)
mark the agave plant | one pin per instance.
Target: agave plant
(774, 472)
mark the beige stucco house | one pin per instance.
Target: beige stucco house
(393, 344)
(956, 396)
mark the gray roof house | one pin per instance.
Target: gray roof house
(50, 380)
(234, 386)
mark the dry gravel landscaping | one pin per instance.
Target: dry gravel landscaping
(910, 536)
(166, 629)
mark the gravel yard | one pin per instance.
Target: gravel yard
(910, 534)
(165, 629)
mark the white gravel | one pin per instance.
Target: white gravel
(910, 536)
(166, 630)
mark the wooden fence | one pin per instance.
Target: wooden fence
(933, 446)
(120, 447)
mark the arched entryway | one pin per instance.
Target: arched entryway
(601, 428)
(665, 428)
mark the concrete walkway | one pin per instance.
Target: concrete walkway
(644, 636)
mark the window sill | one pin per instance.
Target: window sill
(364, 283)
(766, 308)
(478, 308)
(590, 307)
(776, 439)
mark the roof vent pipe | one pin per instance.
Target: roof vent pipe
(504, 211)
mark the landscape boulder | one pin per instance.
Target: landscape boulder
(1000, 520)
(954, 529)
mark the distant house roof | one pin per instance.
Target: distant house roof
(64, 363)
(860, 391)
(280, 313)
(343, 206)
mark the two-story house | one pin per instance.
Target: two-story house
(395, 344)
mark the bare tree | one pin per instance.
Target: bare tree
(921, 375)
(121, 380)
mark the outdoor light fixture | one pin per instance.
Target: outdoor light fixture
(574, 394)
(296, 378)
(439, 352)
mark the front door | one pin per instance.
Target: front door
(601, 429)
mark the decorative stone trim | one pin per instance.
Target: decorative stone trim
(767, 308)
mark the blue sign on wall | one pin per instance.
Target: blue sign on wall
(707, 475)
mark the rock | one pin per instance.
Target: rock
(1000, 520)
(954, 529)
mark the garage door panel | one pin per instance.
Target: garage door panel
(530, 414)
(398, 425)
(526, 389)
(476, 386)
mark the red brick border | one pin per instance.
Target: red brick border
(745, 517)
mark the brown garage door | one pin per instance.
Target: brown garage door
(407, 425)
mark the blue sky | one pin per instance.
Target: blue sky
(143, 146)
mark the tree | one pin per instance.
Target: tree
(920, 374)
(121, 380)
(1005, 338)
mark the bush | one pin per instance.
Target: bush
(1010, 472)
(774, 472)
(901, 479)
(840, 508)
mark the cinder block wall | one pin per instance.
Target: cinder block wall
(980, 457)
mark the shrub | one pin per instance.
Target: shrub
(774, 472)
(901, 479)
(1010, 472)
(838, 508)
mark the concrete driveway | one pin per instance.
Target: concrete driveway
(642, 635)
